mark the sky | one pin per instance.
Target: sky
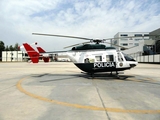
(84, 18)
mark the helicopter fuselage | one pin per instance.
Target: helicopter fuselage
(101, 60)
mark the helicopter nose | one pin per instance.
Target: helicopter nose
(133, 64)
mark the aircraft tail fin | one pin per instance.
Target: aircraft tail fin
(41, 50)
(34, 55)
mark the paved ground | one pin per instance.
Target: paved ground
(59, 91)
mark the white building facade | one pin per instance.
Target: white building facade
(12, 56)
(136, 39)
(143, 46)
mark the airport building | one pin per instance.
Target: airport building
(12, 56)
(155, 35)
(135, 39)
(143, 49)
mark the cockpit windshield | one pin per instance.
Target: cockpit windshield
(128, 57)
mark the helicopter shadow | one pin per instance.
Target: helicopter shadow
(55, 77)
(58, 77)
(105, 76)
(124, 78)
(98, 76)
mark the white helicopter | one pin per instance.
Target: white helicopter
(92, 58)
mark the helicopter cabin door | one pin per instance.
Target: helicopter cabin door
(121, 62)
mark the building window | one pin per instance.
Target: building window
(136, 39)
(146, 35)
(138, 35)
(130, 43)
(124, 44)
(115, 42)
(124, 34)
(150, 47)
(136, 44)
(124, 39)
(98, 58)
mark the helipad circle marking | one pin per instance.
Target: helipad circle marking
(83, 106)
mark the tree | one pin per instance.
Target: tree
(2, 48)
(7, 49)
(11, 48)
(16, 47)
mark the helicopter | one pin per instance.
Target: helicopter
(93, 58)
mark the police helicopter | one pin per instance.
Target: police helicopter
(93, 58)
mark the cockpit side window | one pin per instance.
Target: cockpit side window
(127, 57)
(109, 58)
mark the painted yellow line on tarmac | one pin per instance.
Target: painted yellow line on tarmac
(83, 106)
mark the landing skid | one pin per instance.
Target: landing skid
(116, 75)
(93, 75)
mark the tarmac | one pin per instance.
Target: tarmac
(59, 91)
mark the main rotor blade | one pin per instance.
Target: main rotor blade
(75, 45)
(66, 36)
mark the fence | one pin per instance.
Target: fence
(148, 59)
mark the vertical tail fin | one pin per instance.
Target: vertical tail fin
(41, 50)
(34, 56)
